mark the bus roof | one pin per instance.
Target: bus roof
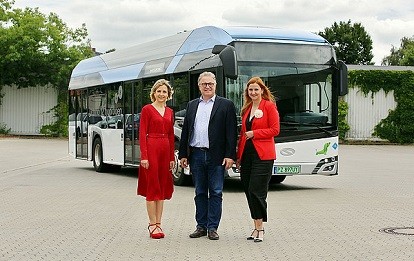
(127, 64)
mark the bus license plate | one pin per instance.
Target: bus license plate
(286, 169)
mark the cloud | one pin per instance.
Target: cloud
(124, 23)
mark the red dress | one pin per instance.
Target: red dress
(156, 140)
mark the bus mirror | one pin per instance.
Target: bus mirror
(218, 48)
(228, 58)
(343, 78)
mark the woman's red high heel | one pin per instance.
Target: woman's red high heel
(151, 232)
(161, 233)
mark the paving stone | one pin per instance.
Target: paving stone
(53, 207)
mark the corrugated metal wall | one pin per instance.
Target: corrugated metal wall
(366, 111)
(26, 110)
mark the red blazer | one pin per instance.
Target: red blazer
(264, 130)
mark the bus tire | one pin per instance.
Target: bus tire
(179, 178)
(97, 156)
(276, 179)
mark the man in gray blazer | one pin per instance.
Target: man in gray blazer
(208, 144)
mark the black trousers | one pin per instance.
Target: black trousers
(255, 175)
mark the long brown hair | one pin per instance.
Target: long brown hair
(267, 95)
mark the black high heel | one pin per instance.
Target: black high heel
(251, 237)
(259, 239)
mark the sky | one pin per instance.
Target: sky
(118, 24)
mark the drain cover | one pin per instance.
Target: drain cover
(407, 231)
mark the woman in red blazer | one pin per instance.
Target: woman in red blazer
(256, 150)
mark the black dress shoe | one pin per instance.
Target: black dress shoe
(199, 232)
(212, 235)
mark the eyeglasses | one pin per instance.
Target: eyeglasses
(209, 84)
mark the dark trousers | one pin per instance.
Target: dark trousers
(208, 182)
(255, 175)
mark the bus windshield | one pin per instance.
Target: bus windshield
(303, 96)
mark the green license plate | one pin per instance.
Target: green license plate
(286, 169)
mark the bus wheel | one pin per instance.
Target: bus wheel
(276, 179)
(180, 179)
(97, 158)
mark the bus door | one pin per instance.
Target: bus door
(80, 123)
(113, 135)
(132, 106)
(72, 122)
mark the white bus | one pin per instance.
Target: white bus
(300, 68)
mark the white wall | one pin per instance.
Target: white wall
(26, 110)
(366, 111)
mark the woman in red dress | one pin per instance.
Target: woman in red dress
(156, 137)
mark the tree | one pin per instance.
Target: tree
(39, 50)
(352, 43)
(402, 56)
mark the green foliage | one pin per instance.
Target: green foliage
(343, 126)
(39, 50)
(60, 127)
(352, 43)
(398, 127)
(402, 56)
(4, 129)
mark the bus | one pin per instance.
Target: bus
(300, 68)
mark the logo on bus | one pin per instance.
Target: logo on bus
(287, 151)
(118, 95)
(324, 150)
